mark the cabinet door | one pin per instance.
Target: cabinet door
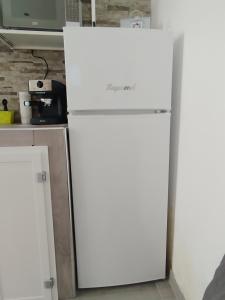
(27, 259)
(62, 219)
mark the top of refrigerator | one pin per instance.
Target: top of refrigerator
(118, 68)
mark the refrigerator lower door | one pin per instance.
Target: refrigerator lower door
(120, 190)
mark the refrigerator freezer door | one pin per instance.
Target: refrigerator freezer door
(120, 185)
(118, 68)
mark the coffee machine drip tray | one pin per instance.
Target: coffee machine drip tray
(46, 121)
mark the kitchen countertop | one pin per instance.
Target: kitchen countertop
(32, 127)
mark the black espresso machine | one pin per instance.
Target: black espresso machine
(48, 101)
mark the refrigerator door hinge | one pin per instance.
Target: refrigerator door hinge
(49, 284)
(41, 177)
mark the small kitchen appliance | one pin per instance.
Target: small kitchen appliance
(33, 14)
(48, 102)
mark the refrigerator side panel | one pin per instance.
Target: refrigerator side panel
(120, 184)
(118, 68)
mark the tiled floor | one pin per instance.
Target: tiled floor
(148, 291)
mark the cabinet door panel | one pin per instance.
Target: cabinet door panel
(26, 233)
(57, 146)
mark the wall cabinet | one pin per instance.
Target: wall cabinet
(54, 138)
(27, 256)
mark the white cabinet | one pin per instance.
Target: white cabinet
(27, 257)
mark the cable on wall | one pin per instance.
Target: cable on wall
(44, 60)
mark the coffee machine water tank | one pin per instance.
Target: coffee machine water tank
(48, 101)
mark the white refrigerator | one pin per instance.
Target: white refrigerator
(119, 103)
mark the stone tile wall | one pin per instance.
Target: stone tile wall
(109, 12)
(18, 66)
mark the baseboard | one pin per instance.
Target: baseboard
(175, 287)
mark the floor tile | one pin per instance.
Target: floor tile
(164, 290)
(147, 291)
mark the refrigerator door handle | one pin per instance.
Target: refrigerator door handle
(118, 112)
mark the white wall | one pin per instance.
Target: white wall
(197, 187)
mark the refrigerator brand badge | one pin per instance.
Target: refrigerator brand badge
(120, 88)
